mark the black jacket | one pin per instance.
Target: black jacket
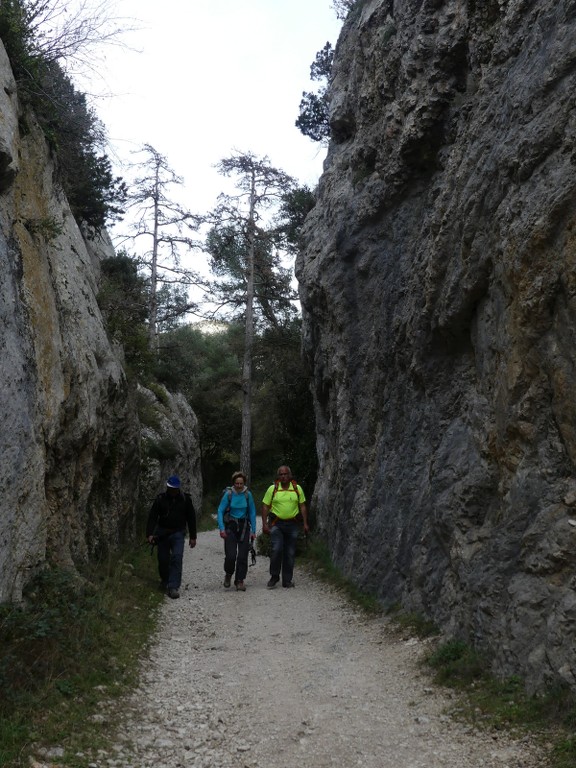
(173, 512)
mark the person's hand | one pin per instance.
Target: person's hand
(222, 534)
(306, 528)
(252, 536)
(192, 543)
(150, 539)
(265, 528)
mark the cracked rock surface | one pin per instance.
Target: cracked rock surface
(289, 677)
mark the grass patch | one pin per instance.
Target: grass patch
(74, 644)
(486, 702)
(415, 623)
(504, 704)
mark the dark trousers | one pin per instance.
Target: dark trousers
(283, 539)
(170, 555)
(236, 550)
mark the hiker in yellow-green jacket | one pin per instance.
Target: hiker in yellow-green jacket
(283, 507)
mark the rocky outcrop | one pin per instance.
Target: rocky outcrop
(70, 458)
(438, 285)
(170, 444)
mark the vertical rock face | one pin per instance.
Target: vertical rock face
(69, 431)
(170, 444)
(438, 284)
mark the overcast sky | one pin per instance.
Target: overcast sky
(202, 78)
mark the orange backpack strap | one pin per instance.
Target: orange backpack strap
(272, 518)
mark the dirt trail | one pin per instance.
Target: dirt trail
(287, 678)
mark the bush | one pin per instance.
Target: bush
(74, 642)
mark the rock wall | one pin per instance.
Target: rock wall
(170, 444)
(70, 459)
(438, 284)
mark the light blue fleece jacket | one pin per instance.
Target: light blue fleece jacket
(237, 508)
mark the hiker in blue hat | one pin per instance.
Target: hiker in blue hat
(171, 513)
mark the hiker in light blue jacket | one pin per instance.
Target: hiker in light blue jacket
(237, 524)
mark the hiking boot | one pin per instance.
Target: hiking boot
(227, 580)
(273, 581)
(288, 584)
(240, 586)
(173, 593)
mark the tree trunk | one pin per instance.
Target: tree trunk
(246, 437)
(153, 313)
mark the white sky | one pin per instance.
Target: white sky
(205, 77)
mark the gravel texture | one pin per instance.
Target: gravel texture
(289, 677)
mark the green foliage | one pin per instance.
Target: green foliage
(273, 292)
(160, 392)
(284, 419)
(147, 412)
(415, 622)
(71, 644)
(564, 753)
(205, 367)
(296, 205)
(16, 34)
(457, 663)
(162, 450)
(504, 703)
(245, 255)
(49, 228)
(123, 300)
(321, 67)
(313, 118)
(70, 126)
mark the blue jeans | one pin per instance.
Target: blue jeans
(236, 549)
(283, 538)
(170, 555)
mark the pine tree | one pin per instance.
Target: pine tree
(245, 250)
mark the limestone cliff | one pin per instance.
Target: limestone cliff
(438, 284)
(70, 459)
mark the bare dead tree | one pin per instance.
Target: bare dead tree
(168, 230)
(73, 33)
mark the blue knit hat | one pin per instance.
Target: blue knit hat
(173, 482)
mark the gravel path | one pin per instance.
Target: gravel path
(289, 678)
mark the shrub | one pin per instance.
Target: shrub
(71, 128)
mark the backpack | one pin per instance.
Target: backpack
(241, 526)
(227, 515)
(294, 485)
(271, 516)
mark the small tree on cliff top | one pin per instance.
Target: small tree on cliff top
(313, 119)
(343, 7)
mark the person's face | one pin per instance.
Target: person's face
(239, 484)
(172, 491)
(283, 475)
